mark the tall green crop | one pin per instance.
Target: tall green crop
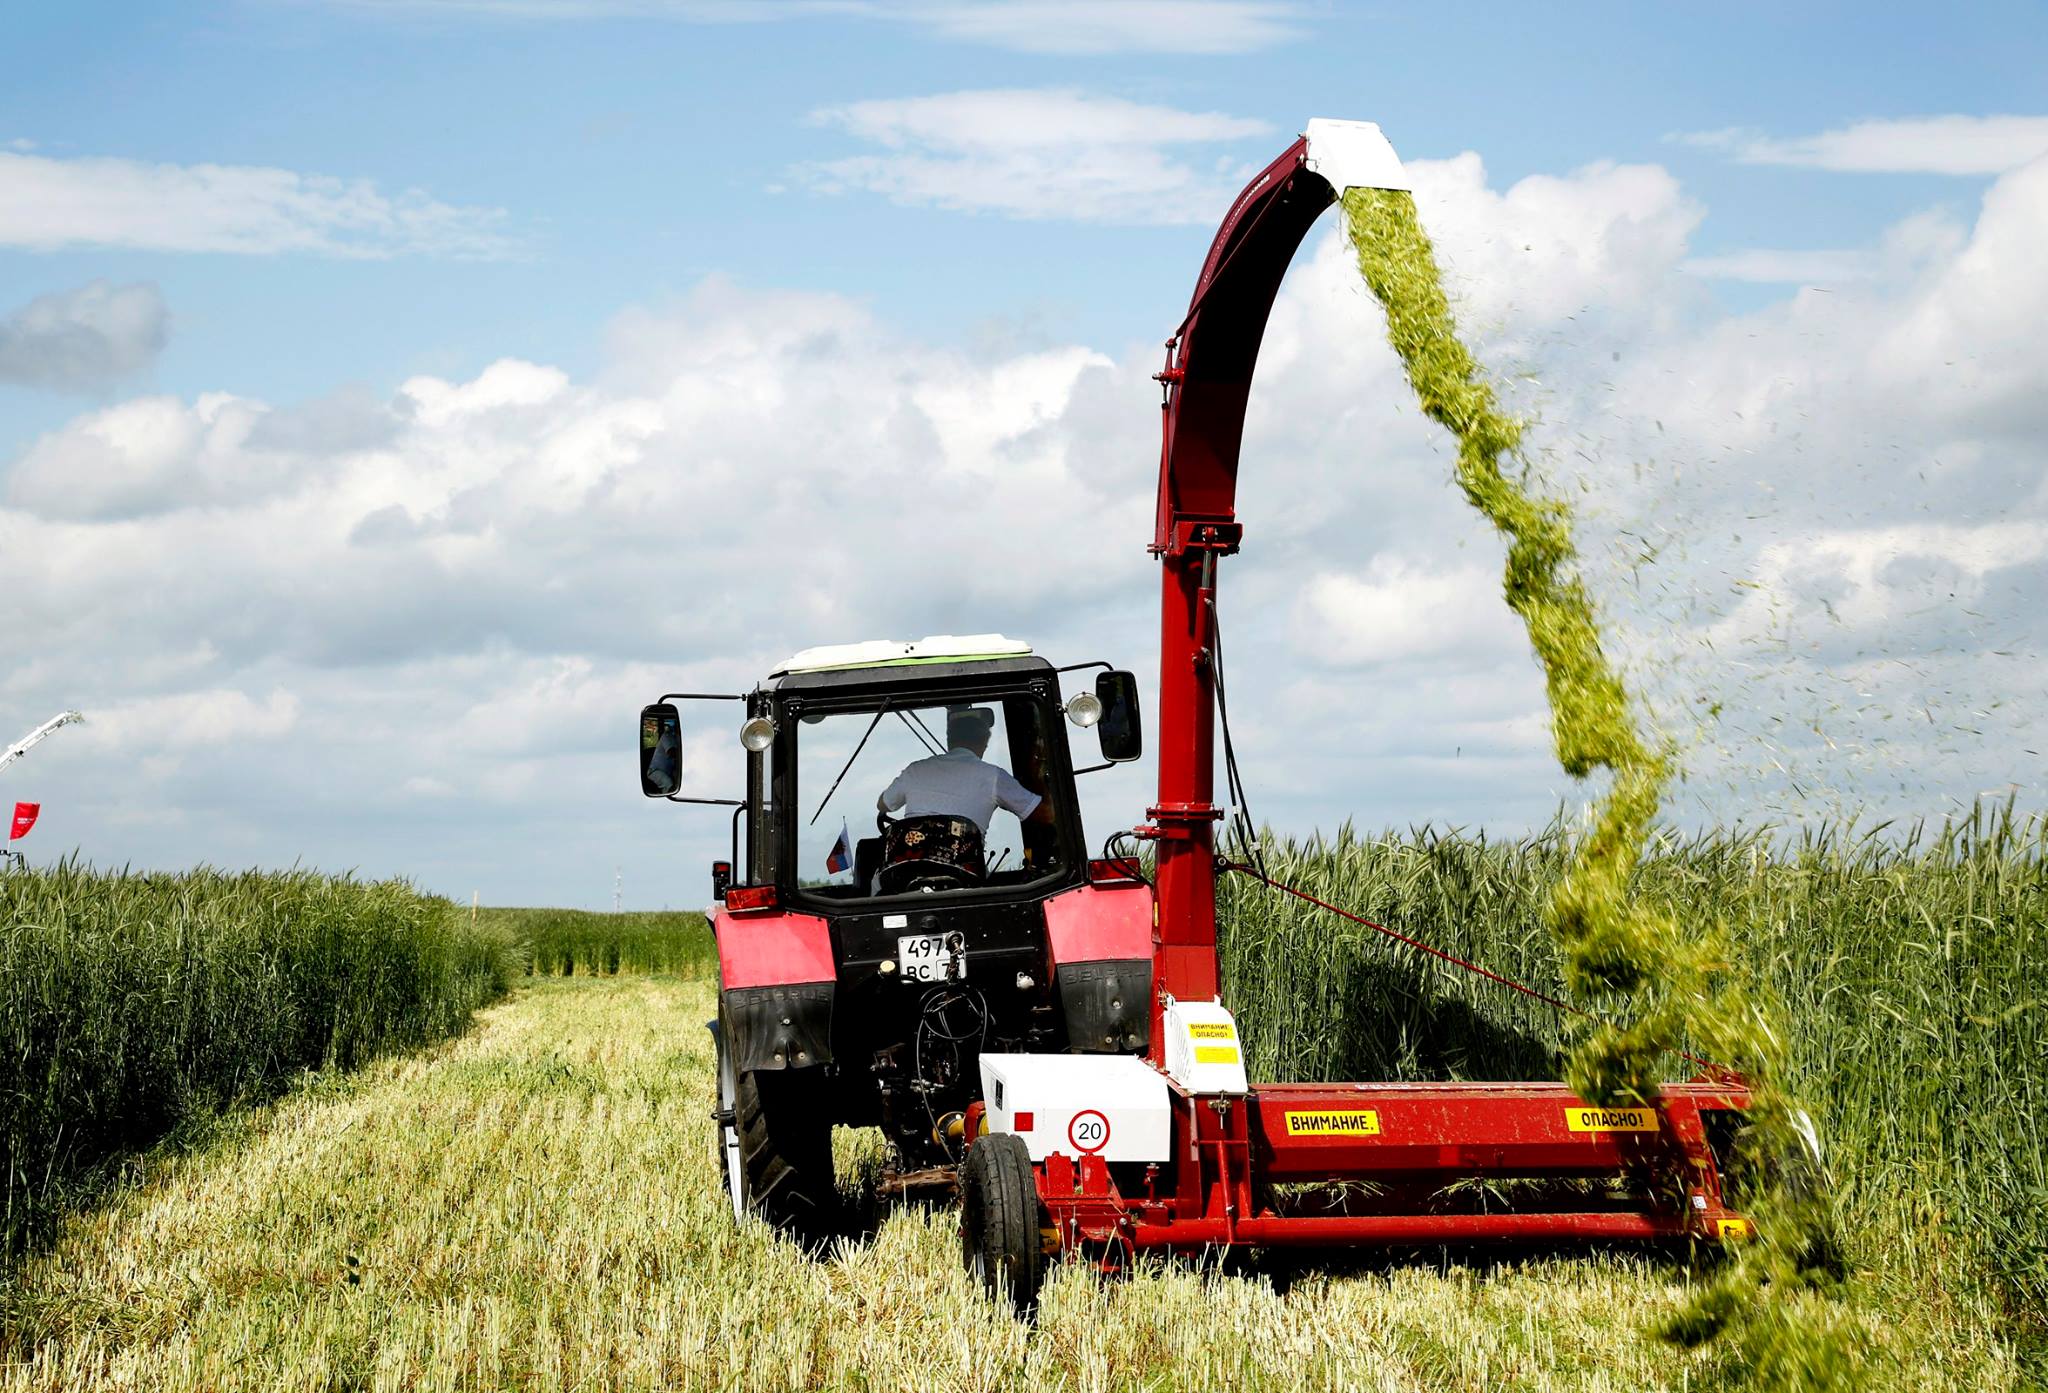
(1910, 971)
(132, 1003)
(569, 941)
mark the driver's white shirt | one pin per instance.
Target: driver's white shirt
(958, 783)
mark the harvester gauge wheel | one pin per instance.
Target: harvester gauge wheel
(1000, 1234)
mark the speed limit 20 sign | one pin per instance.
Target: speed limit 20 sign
(1088, 1132)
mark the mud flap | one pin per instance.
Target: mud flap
(1107, 1004)
(779, 1027)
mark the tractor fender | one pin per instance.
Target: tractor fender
(1100, 941)
(777, 981)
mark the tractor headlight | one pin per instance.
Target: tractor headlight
(1084, 709)
(757, 734)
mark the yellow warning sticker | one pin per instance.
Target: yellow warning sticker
(1733, 1228)
(1611, 1119)
(1203, 1030)
(1215, 1054)
(1348, 1123)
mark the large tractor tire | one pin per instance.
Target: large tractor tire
(727, 1145)
(775, 1148)
(999, 1229)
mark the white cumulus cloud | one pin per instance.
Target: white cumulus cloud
(1766, 266)
(1079, 27)
(47, 204)
(1950, 144)
(84, 339)
(1820, 529)
(1110, 26)
(177, 723)
(1398, 611)
(1039, 154)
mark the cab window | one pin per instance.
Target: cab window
(903, 797)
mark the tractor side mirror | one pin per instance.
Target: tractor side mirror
(1120, 730)
(661, 750)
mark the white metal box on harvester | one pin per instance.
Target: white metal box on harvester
(1203, 1053)
(1108, 1105)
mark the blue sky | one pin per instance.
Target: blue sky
(293, 209)
(632, 154)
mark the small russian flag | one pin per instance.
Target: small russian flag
(841, 857)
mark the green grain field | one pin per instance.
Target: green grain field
(565, 942)
(1911, 972)
(534, 1203)
(136, 1006)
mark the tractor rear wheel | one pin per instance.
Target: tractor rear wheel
(774, 1144)
(784, 1153)
(730, 1172)
(999, 1229)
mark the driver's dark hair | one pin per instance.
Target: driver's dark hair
(969, 725)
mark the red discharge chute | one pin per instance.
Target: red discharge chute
(24, 818)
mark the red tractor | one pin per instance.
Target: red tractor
(1041, 1029)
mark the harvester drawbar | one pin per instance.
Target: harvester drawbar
(1048, 1033)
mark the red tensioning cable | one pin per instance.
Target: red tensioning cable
(1451, 958)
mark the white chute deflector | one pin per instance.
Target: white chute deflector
(1353, 155)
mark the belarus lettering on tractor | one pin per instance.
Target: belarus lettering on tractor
(916, 937)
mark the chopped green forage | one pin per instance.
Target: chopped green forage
(1660, 985)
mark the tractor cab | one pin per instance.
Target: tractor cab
(915, 891)
(945, 778)
(885, 771)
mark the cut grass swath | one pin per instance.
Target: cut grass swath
(538, 1207)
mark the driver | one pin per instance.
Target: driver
(658, 752)
(960, 783)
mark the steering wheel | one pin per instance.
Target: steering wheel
(951, 857)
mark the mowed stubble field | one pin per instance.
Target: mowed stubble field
(535, 1205)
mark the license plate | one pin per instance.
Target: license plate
(932, 957)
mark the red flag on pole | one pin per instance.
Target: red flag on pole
(24, 818)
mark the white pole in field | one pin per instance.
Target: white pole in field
(618, 888)
(38, 735)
